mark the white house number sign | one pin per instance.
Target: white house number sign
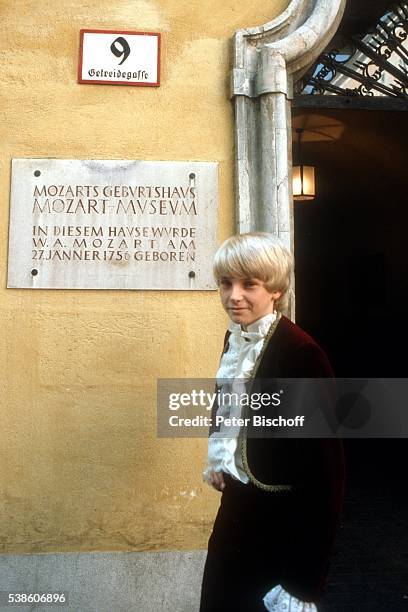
(114, 57)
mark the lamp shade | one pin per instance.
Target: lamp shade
(303, 182)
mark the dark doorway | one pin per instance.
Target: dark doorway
(352, 240)
(351, 247)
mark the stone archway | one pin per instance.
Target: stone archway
(268, 59)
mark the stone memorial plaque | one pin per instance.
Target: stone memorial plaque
(112, 224)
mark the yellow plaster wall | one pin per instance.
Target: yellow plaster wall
(81, 467)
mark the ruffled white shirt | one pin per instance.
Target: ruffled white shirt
(279, 600)
(235, 368)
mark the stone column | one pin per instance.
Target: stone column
(267, 61)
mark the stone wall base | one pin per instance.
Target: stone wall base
(107, 582)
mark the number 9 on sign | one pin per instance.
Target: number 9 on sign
(120, 48)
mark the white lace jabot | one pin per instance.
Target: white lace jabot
(255, 331)
(244, 348)
(236, 366)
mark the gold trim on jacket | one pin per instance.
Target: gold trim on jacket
(243, 443)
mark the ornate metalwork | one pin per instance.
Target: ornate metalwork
(373, 65)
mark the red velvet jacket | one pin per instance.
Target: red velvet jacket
(314, 466)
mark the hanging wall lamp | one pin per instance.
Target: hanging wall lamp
(303, 177)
